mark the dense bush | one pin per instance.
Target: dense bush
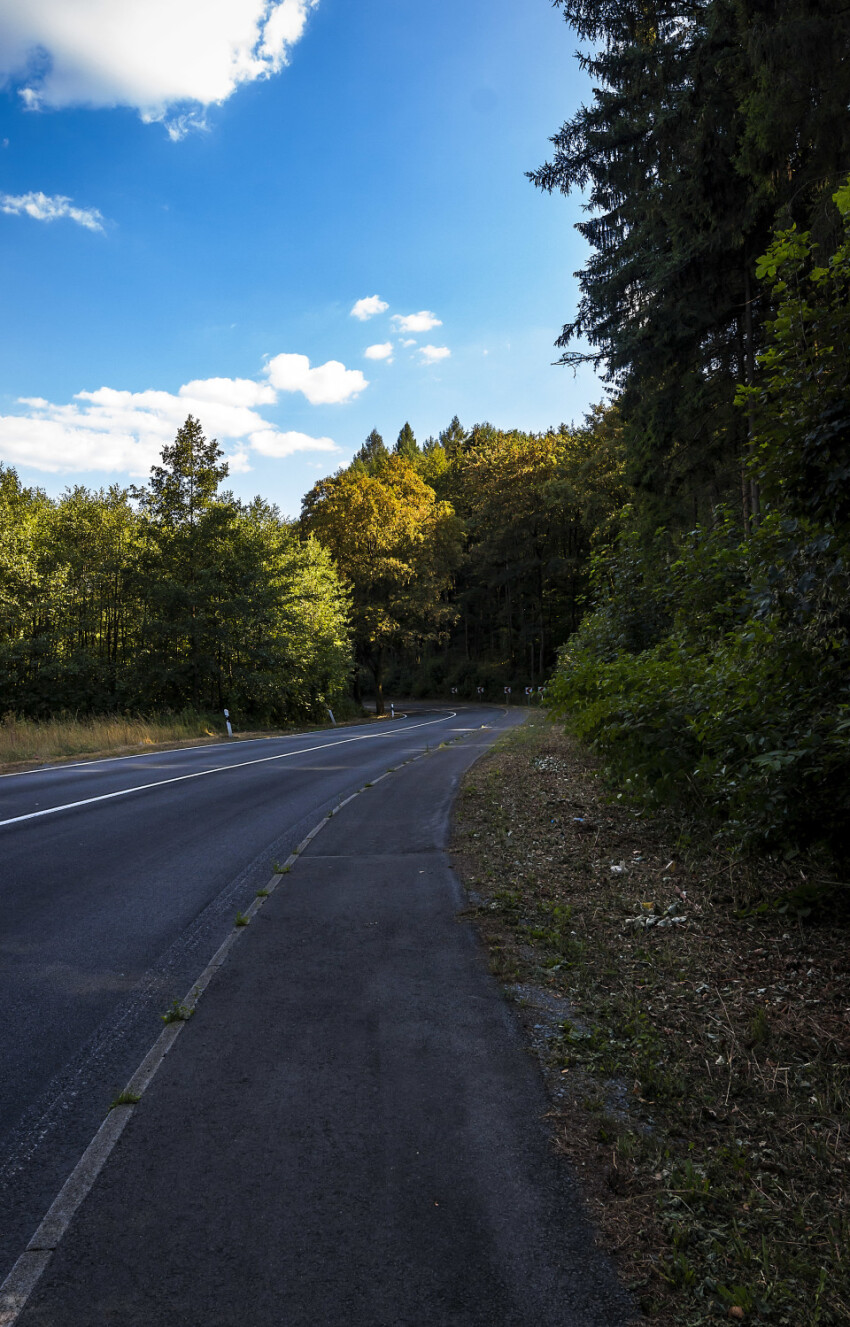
(734, 703)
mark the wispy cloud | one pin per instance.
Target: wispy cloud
(416, 322)
(169, 59)
(113, 430)
(433, 354)
(326, 384)
(50, 207)
(368, 307)
(382, 351)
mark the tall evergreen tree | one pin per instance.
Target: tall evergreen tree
(686, 163)
(187, 528)
(373, 452)
(406, 444)
(452, 437)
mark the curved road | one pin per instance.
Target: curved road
(119, 879)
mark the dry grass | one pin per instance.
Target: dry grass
(699, 1070)
(23, 740)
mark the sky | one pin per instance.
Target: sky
(296, 220)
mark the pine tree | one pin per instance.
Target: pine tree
(453, 437)
(373, 453)
(406, 444)
(687, 156)
(187, 528)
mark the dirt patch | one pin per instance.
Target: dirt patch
(691, 1015)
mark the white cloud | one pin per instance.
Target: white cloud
(408, 341)
(232, 391)
(272, 443)
(120, 431)
(368, 307)
(239, 462)
(433, 354)
(382, 351)
(50, 207)
(416, 322)
(168, 59)
(327, 384)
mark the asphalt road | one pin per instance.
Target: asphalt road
(119, 878)
(350, 1129)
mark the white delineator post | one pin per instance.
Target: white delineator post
(227, 721)
(331, 713)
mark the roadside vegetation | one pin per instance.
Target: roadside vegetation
(166, 598)
(691, 1014)
(712, 669)
(23, 740)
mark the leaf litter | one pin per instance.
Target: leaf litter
(691, 1016)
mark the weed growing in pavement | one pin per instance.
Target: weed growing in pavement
(178, 1013)
(263, 893)
(277, 869)
(242, 920)
(126, 1098)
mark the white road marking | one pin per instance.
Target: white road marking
(217, 769)
(146, 755)
(27, 1271)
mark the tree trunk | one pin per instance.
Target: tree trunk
(377, 667)
(754, 496)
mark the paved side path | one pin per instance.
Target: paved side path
(349, 1132)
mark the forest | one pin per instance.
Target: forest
(673, 568)
(711, 670)
(167, 598)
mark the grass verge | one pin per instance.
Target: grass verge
(29, 741)
(24, 740)
(691, 1015)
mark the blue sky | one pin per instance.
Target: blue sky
(196, 194)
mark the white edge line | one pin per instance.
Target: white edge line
(216, 769)
(147, 755)
(27, 1271)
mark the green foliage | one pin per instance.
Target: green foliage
(164, 598)
(373, 453)
(406, 444)
(801, 400)
(700, 690)
(468, 558)
(708, 125)
(397, 545)
(715, 671)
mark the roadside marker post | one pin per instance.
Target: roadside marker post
(508, 694)
(331, 713)
(227, 721)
